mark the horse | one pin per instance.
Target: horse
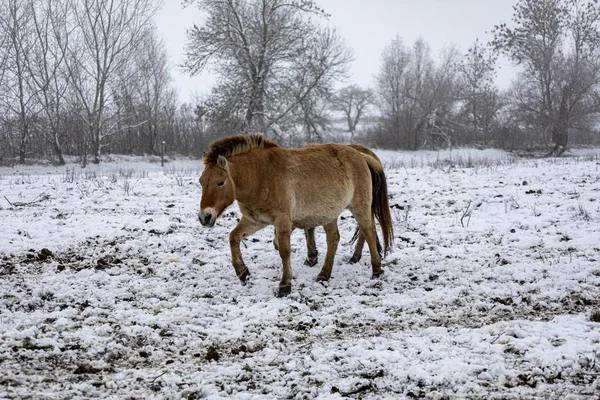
(294, 188)
(312, 254)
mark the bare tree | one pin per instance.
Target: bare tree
(144, 91)
(4, 53)
(15, 21)
(477, 73)
(46, 67)
(304, 91)
(392, 75)
(415, 93)
(313, 117)
(557, 44)
(107, 31)
(353, 101)
(269, 54)
(4, 48)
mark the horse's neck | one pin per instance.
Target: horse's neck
(245, 177)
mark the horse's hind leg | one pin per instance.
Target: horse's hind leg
(367, 228)
(312, 255)
(243, 228)
(360, 243)
(283, 227)
(333, 238)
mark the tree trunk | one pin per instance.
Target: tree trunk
(84, 156)
(475, 127)
(58, 150)
(255, 107)
(560, 130)
(95, 136)
(97, 152)
(23, 148)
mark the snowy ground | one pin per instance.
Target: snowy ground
(489, 293)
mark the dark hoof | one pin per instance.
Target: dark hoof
(311, 262)
(323, 278)
(354, 260)
(244, 276)
(284, 291)
(377, 274)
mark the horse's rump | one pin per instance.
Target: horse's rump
(380, 204)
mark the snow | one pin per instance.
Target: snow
(488, 291)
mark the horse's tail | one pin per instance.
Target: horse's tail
(380, 205)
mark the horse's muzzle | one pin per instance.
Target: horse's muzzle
(207, 217)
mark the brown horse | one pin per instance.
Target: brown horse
(312, 255)
(294, 188)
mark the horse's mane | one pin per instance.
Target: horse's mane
(235, 145)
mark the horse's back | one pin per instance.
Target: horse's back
(321, 181)
(332, 164)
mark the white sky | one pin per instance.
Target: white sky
(368, 26)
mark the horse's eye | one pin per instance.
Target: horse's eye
(221, 183)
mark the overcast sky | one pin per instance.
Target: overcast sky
(368, 26)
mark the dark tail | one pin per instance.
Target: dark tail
(380, 205)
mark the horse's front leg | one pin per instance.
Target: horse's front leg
(333, 238)
(283, 228)
(244, 228)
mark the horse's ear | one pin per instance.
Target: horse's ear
(222, 162)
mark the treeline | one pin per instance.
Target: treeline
(88, 77)
(85, 77)
(553, 101)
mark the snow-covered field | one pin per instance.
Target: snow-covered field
(110, 288)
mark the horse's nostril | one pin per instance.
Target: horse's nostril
(205, 219)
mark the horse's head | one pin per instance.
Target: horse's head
(217, 191)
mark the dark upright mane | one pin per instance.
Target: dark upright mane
(235, 145)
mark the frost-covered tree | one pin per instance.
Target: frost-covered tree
(105, 32)
(477, 73)
(17, 94)
(46, 66)
(353, 101)
(557, 45)
(414, 92)
(144, 94)
(270, 57)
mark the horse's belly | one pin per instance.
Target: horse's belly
(312, 215)
(321, 201)
(311, 222)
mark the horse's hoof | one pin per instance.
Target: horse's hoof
(354, 260)
(377, 274)
(323, 278)
(311, 262)
(244, 277)
(284, 291)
